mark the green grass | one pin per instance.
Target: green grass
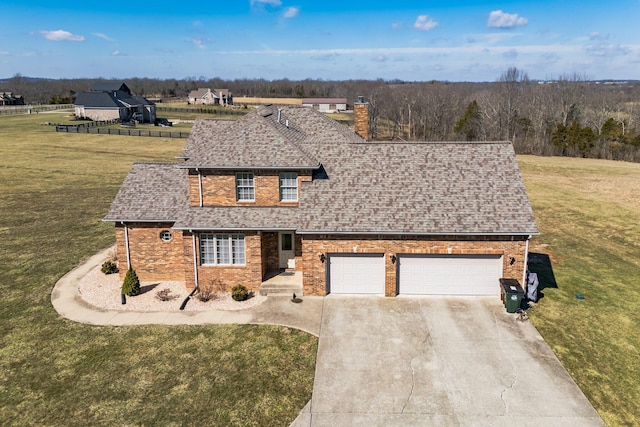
(54, 190)
(588, 212)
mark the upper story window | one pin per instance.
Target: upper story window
(289, 187)
(222, 249)
(244, 187)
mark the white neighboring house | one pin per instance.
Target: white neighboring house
(114, 101)
(207, 96)
(326, 105)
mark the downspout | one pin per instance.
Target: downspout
(195, 272)
(526, 263)
(126, 244)
(200, 187)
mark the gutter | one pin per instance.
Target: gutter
(292, 168)
(410, 233)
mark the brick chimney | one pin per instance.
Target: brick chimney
(361, 118)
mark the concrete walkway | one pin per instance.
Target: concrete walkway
(66, 300)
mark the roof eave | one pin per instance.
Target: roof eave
(107, 219)
(249, 167)
(412, 233)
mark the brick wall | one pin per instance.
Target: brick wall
(314, 271)
(219, 188)
(151, 257)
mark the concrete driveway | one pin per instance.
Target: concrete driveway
(436, 361)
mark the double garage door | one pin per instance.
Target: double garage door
(417, 274)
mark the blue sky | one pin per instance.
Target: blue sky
(331, 40)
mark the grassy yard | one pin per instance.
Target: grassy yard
(588, 212)
(54, 190)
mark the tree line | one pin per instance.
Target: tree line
(568, 116)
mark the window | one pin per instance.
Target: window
(287, 242)
(244, 186)
(165, 235)
(289, 187)
(222, 249)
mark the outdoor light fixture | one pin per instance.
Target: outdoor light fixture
(393, 259)
(322, 258)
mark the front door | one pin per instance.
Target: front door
(287, 250)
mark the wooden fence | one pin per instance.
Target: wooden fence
(127, 132)
(32, 109)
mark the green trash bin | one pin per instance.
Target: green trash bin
(512, 294)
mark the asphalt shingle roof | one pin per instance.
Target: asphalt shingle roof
(437, 188)
(238, 218)
(151, 192)
(418, 188)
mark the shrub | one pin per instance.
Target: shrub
(205, 295)
(109, 267)
(165, 295)
(239, 293)
(131, 284)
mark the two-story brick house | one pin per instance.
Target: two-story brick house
(290, 189)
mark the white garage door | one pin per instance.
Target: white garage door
(356, 274)
(450, 275)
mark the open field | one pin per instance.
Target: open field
(54, 190)
(588, 212)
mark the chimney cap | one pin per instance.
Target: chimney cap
(361, 100)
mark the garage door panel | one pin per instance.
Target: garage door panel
(350, 274)
(449, 275)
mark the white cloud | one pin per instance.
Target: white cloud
(396, 25)
(598, 36)
(201, 42)
(424, 23)
(500, 19)
(61, 35)
(274, 3)
(103, 36)
(4, 52)
(291, 12)
(607, 50)
(117, 53)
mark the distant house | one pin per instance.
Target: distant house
(114, 101)
(207, 96)
(8, 98)
(326, 105)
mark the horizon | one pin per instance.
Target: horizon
(460, 41)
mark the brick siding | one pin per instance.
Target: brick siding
(314, 271)
(151, 257)
(219, 188)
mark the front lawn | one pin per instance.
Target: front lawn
(588, 212)
(54, 190)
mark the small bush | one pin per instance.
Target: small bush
(165, 295)
(239, 293)
(131, 284)
(109, 267)
(205, 295)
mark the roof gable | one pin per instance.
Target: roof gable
(110, 87)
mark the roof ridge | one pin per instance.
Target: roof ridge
(284, 132)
